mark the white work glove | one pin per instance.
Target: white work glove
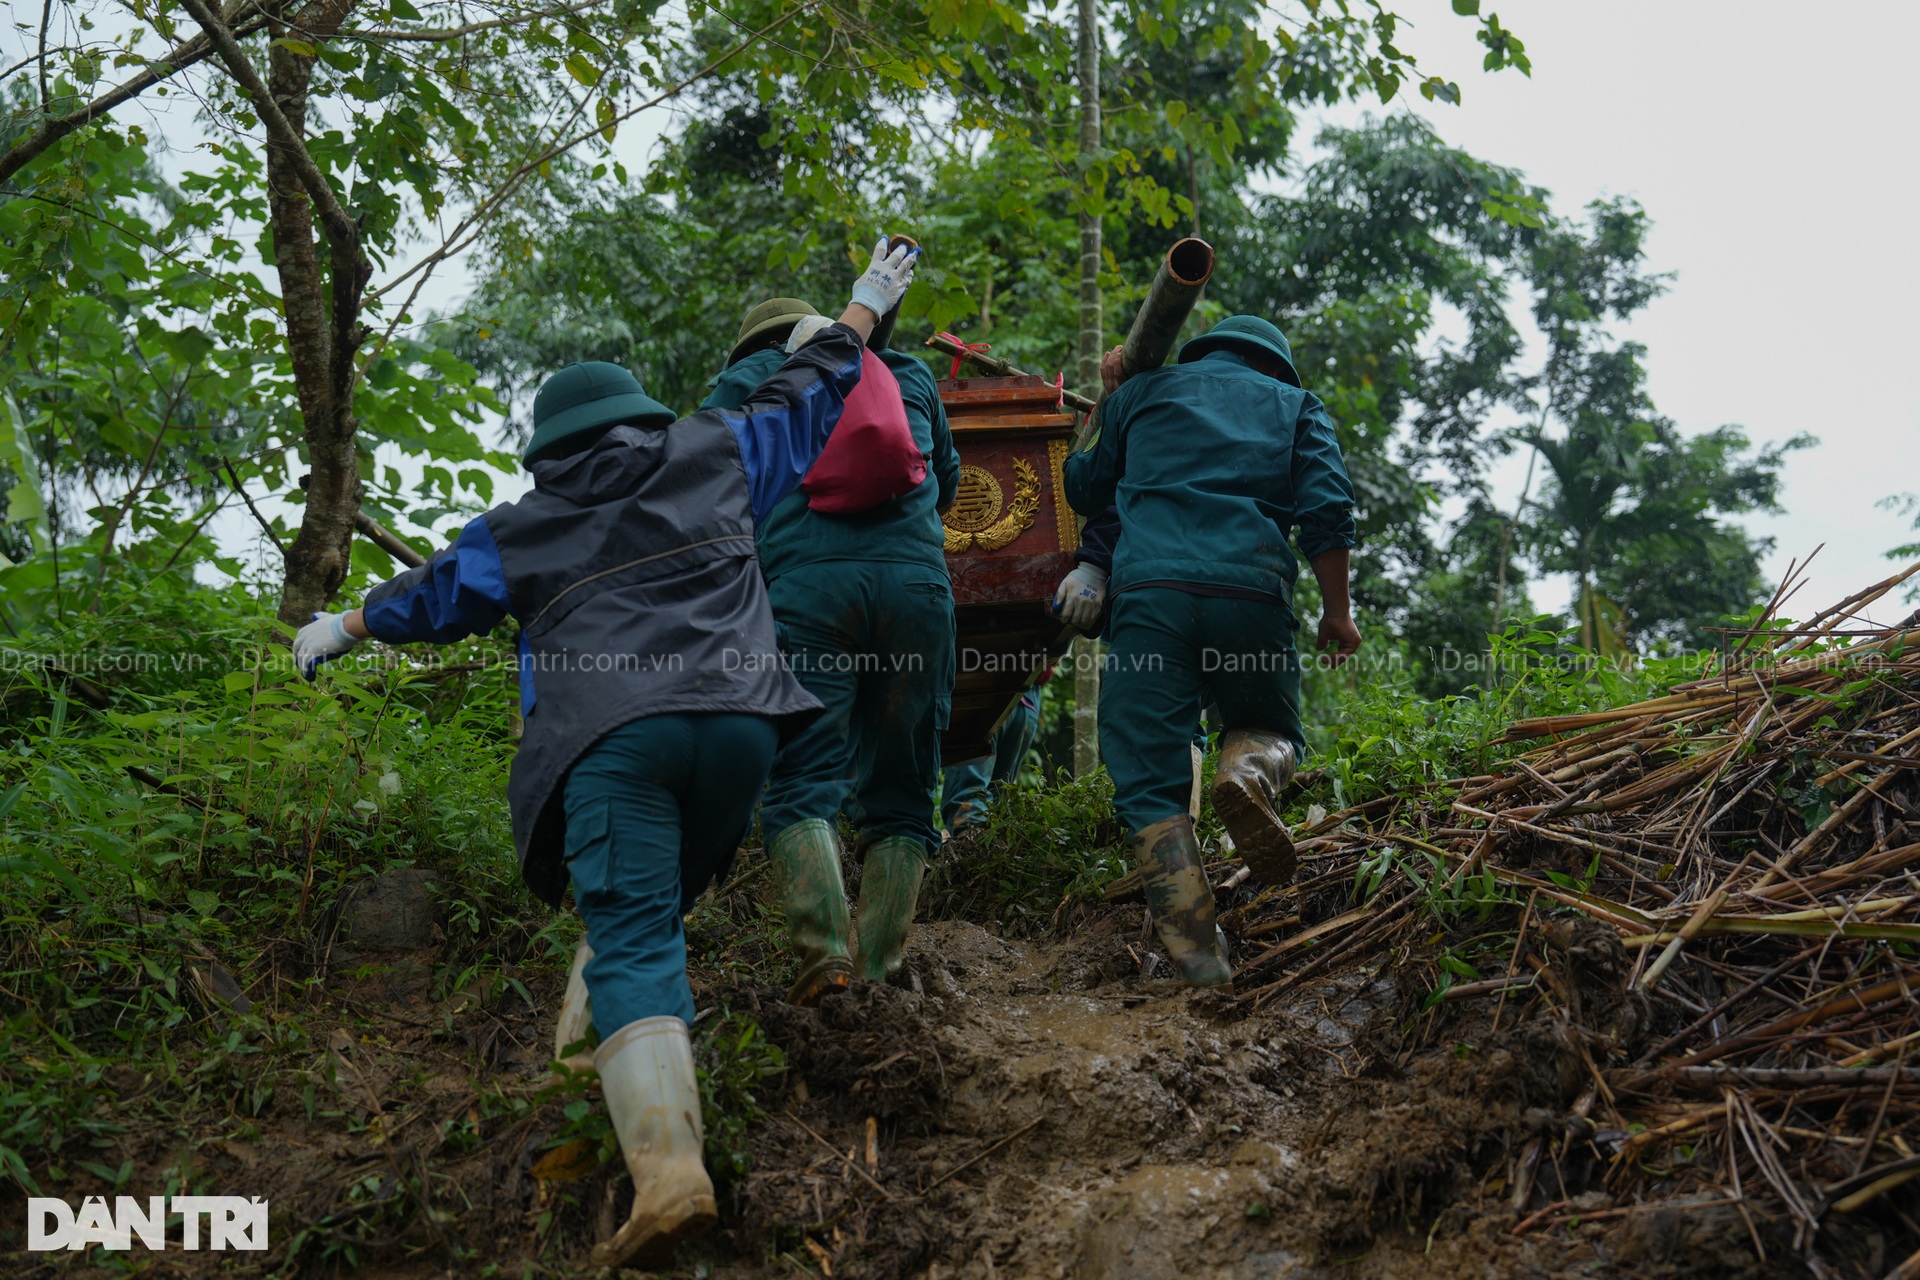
(1080, 595)
(322, 640)
(886, 279)
(805, 331)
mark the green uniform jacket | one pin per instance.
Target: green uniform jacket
(905, 530)
(1213, 464)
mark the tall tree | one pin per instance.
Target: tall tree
(1632, 511)
(146, 383)
(1390, 229)
(797, 148)
(1905, 504)
(347, 135)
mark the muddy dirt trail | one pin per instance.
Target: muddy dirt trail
(1005, 1108)
(1041, 1109)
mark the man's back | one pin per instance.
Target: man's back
(1213, 464)
(906, 529)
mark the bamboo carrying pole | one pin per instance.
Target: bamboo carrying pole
(1176, 287)
(385, 539)
(996, 367)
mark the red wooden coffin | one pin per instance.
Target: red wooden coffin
(1010, 539)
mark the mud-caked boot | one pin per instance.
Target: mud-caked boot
(964, 817)
(1254, 767)
(889, 891)
(653, 1099)
(576, 1015)
(806, 861)
(1199, 765)
(1168, 856)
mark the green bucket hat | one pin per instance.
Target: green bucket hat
(1244, 331)
(586, 396)
(765, 317)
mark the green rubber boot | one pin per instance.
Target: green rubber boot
(1255, 767)
(806, 861)
(889, 891)
(1181, 901)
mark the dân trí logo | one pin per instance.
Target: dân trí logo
(232, 1222)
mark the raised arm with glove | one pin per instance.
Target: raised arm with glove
(878, 290)
(885, 281)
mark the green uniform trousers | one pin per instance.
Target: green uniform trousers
(873, 640)
(654, 812)
(1169, 654)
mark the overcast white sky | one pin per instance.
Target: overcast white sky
(1773, 145)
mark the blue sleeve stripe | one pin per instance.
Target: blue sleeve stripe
(461, 591)
(527, 695)
(481, 571)
(779, 445)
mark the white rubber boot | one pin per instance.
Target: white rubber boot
(646, 1076)
(576, 1015)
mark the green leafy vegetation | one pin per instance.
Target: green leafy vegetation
(218, 812)
(735, 1062)
(182, 853)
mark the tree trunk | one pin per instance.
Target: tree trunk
(321, 299)
(321, 284)
(1583, 602)
(1506, 543)
(1086, 652)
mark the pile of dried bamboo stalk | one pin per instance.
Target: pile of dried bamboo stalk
(1753, 839)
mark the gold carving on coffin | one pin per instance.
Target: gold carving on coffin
(975, 520)
(976, 501)
(1063, 520)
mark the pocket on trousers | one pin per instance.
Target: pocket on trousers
(590, 855)
(930, 590)
(939, 595)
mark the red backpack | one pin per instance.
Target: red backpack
(871, 456)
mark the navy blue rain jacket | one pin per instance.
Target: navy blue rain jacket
(632, 571)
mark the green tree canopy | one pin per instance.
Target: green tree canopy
(351, 147)
(1633, 511)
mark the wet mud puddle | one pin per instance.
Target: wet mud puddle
(1040, 1109)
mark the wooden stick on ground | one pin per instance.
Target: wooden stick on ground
(964, 1165)
(1691, 928)
(841, 1156)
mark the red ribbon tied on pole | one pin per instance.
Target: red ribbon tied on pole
(969, 348)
